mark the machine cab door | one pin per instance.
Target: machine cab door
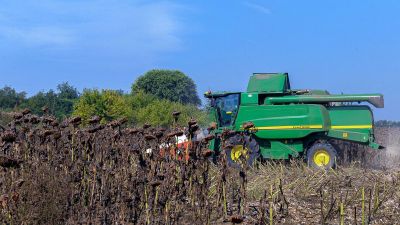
(227, 108)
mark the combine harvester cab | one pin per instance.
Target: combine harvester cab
(290, 123)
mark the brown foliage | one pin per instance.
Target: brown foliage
(66, 174)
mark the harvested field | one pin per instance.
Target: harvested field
(61, 173)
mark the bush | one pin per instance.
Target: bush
(107, 104)
(159, 113)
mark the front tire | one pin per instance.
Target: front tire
(244, 150)
(322, 156)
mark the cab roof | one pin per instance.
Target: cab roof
(216, 94)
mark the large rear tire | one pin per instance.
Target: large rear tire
(322, 156)
(244, 150)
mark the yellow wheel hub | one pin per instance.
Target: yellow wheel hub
(321, 157)
(237, 152)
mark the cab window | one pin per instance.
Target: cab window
(227, 108)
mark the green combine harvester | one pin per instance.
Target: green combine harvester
(284, 123)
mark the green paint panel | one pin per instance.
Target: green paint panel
(269, 83)
(356, 121)
(349, 135)
(284, 121)
(276, 149)
(249, 98)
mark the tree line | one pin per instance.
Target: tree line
(152, 99)
(387, 123)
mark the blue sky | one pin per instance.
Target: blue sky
(338, 45)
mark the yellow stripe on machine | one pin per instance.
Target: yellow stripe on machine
(352, 127)
(290, 127)
(302, 127)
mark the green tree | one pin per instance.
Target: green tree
(108, 104)
(140, 100)
(67, 95)
(60, 103)
(42, 99)
(11, 99)
(387, 123)
(146, 108)
(172, 85)
(66, 91)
